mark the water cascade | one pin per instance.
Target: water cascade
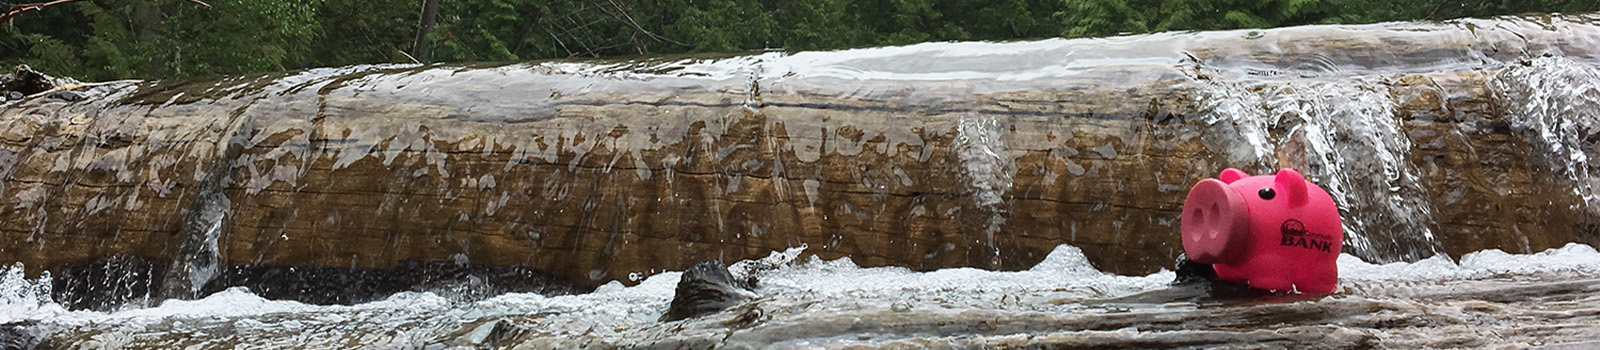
(459, 205)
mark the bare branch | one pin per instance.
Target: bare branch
(559, 42)
(70, 87)
(413, 59)
(622, 15)
(17, 10)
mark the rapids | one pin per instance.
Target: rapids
(1488, 299)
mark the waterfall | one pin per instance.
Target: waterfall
(1433, 138)
(198, 258)
(1343, 135)
(1236, 124)
(989, 171)
(1354, 145)
(1555, 103)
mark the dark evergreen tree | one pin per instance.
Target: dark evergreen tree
(119, 39)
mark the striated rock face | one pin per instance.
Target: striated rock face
(1434, 138)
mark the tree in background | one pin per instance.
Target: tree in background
(152, 39)
(430, 14)
(363, 31)
(1111, 17)
(1104, 17)
(162, 38)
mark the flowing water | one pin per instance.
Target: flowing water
(940, 195)
(1489, 299)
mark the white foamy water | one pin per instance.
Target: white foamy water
(794, 288)
(1573, 258)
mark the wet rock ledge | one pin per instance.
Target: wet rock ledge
(1437, 138)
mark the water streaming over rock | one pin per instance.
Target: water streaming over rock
(947, 194)
(1556, 103)
(981, 149)
(1488, 299)
(1343, 135)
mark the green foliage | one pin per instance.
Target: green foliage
(167, 38)
(1104, 17)
(478, 30)
(723, 25)
(118, 39)
(240, 36)
(1110, 17)
(49, 54)
(102, 52)
(363, 31)
(816, 24)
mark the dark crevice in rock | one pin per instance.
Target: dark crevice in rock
(69, 96)
(110, 283)
(331, 285)
(107, 283)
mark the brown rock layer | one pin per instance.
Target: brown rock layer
(938, 155)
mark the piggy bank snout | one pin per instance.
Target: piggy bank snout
(1215, 223)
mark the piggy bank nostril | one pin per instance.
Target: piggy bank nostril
(1212, 213)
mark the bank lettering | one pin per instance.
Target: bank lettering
(1295, 235)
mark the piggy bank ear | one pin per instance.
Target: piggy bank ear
(1293, 185)
(1230, 175)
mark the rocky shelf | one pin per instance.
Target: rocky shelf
(1435, 138)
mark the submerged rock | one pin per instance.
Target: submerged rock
(706, 288)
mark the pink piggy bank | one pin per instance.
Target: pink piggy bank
(1275, 232)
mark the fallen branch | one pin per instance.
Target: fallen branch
(413, 59)
(70, 87)
(17, 10)
(622, 15)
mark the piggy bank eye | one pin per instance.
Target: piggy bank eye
(1267, 193)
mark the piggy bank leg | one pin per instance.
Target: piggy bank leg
(1319, 281)
(1272, 272)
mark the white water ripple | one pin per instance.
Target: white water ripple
(791, 283)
